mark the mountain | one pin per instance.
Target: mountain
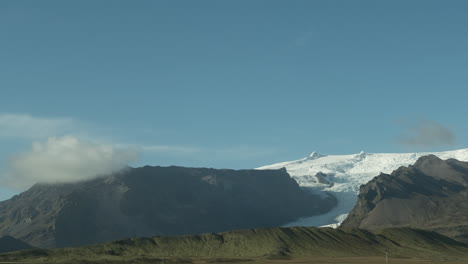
(342, 175)
(265, 245)
(8, 244)
(152, 201)
(432, 194)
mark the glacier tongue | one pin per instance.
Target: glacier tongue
(344, 174)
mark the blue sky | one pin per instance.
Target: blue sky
(234, 84)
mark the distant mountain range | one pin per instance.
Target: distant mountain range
(167, 201)
(342, 175)
(432, 194)
(151, 201)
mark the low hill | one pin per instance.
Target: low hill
(431, 195)
(8, 244)
(267, 243)
(151, 201)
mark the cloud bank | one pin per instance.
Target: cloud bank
(65, 159)
(427, 133)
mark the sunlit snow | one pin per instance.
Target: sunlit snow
(346, 173)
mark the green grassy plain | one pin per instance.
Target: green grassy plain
(304, 260)
(260, 246)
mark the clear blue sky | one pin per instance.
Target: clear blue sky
(237, 84)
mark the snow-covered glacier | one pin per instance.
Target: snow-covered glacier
(342, 175)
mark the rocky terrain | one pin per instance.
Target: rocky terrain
(151, 201)
(432, 194)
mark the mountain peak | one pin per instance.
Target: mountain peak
(361, 155)
(315, 155)
(429, 195)
(450, 170)
(428, 159)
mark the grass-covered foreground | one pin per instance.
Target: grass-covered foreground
(269, 245)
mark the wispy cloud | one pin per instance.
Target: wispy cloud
(427, 133)
(63, 150)
(65, 159)
(67, 150)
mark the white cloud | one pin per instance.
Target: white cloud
(65, 159)
(27, 126)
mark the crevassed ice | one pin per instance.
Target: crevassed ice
(346, 173)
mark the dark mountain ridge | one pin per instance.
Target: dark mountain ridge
(430, 195)
(152, 201)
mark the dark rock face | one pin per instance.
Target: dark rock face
(430, 195)
(152, 201)
(322, 178)
(8, 244)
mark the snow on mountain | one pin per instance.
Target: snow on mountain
(342, 175)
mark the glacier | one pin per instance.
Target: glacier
(344, 174)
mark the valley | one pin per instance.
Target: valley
(345, 174)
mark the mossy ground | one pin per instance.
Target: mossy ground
(310, 260)
(258, 246)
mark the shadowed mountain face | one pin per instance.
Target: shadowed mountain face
(152, 201)
(8, 244)
(431, 195)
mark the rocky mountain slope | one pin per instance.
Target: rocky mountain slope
(341, 175)
(8, 244)
(152, 201)
(432, 194)
(247, 245)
